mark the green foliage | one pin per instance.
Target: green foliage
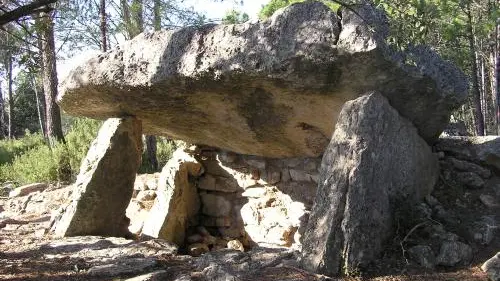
(274, 5)
(9, 149)
(234, 17)
(31, 160)
(78, 140)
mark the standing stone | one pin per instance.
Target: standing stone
(104, 187)
(375, 159)
(177, 201)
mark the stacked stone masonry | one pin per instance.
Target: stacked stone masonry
(242, 199)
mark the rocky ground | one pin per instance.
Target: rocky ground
(462, 216)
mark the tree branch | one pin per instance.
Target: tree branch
(22, 11)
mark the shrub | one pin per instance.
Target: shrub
(9, 149)
(41, 163)
(30, 160)
(78, 140)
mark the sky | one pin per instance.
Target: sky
(213, 9)
(217, 9)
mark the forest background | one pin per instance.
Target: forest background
(38, 142)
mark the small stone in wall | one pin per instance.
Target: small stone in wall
(453, 253)
(299, 175)
(202, 230)
(197, 249)
(146, 195)
(215, 221)
(195, 238)
(235, 245)
(423, 255)
(469, 179)
(489, 201)
(215, 205)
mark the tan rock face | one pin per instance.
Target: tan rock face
(103, 188)
(274, 88)
(177, 201)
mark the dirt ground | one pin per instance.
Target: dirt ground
(25, 254)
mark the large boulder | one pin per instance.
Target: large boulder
(271, 88)
(483, 150)
(177, 201)
(375, 162)
(104, 187)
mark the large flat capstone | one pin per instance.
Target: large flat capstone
(271, 88)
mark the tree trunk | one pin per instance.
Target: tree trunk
(102, 15)
(151, 150)
(157, 14)
(126, 17)
(137, 18)
(52, 113)
(2, 119)
(8, 65)
(476, 94)
(37, 97)
(484, 104)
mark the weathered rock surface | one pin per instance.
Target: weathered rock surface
(273, 88)
(492, 267)
(27, 189)
(453, 253)
(482, 150)
(177, 200)
(103, 188)
(368, 168)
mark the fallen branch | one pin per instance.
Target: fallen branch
(406, 238)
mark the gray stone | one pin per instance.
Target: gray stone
(104, 187)
(367, 166)
(482, 150)
(489, 201)
(492, 267)
(469, 167)
(176, 204)
(272, 88)
(146, 195)
(484, 229)
(299, 175)
(469, 179)
(423, 255)
(126, 266)
(215, 205)
(197, 249)
(27, 189)
(453, 253)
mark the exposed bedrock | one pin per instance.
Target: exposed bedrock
(104, 187)
(272, 88)
(375, 161)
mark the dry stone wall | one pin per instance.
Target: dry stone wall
(262, 201)
(241, 200)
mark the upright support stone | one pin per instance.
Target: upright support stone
(177, 201)
(375, 160)
(104, 187)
